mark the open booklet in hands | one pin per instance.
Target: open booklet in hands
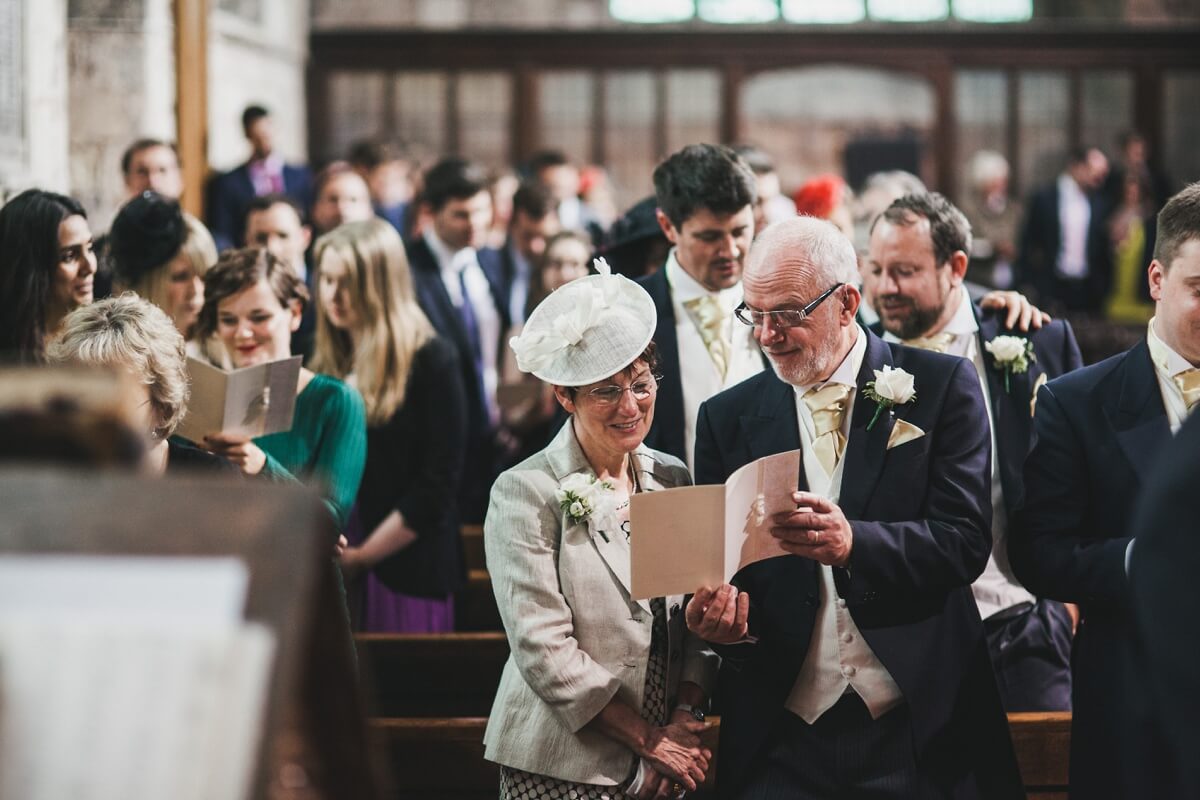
(702, 535)
(251, 401)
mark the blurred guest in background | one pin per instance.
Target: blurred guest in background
(276, 224)
(995, 219)
(152, 165)
(827, 197)
(372, 333)
(158, 251)
(553, 169)
(460, 289)
(1131, 233)
(339, 195)
(388, 174)
(1064, 256)
(534, 219)
(771, 205)
(635, 245)
(229, 194)
(47, 267)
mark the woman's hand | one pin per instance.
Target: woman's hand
(238, 449)
(352, 561)
(340, 546)
(675, 751)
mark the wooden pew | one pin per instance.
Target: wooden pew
(475, 605)
(1043, 744)
(472, 539)
(422, 675)
(443, 758)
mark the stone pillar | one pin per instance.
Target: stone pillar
(122, 88)
(33, 96)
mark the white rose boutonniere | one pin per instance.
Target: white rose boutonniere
(579, 495)
(892, 387)
(1013, 354)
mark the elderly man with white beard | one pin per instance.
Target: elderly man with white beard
(856, 665)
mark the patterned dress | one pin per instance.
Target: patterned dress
(516, 784)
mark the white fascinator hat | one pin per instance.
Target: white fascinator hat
(587, 330)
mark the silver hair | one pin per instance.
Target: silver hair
(131, 333)
(817, 241)
(985, 167)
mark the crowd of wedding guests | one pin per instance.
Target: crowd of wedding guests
(464, 358)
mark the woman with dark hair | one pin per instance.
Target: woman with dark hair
(253, 304)
(46, 269)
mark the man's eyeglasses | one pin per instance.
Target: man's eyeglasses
(787, 318)
(611, 395)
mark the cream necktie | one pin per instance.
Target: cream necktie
(709, 318)
(938, 343)
(828, 407)
(1188, 382)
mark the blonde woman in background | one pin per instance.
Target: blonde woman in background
(161, 253)
(371, 333)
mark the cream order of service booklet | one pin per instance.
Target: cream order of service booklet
(697, 536)
(251, 401)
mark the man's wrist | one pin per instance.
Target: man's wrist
(695, 712)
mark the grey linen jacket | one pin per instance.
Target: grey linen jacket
(578, 640)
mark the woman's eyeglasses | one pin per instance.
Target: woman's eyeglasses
(611, 395)
(787, 318)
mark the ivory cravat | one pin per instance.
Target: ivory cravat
(828, 407)
(938, 343)
(709, 318)
(1188, 382)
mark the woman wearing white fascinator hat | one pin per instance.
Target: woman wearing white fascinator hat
(602, 696)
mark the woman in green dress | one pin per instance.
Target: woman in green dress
(252, 303)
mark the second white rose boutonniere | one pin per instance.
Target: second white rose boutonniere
(1013, 354)
(580, 494)
(892, 387)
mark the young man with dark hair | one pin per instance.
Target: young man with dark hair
(553, 170)
(460, 288)
(276, 224)
(706, 197)
(1064, 250)
(229, 194)
(918, 260)
(534, 220)
(1099, 432)
(388, 174)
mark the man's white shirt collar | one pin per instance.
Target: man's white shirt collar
(448, 260)
(1163, 355)
(684, 287)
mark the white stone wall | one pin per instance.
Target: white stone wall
(122, 88)
(257, 58)
(37, 155)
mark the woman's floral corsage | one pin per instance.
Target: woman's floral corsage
(579, 495)
(892, 387)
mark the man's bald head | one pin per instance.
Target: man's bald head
(792, 264)
(814, 247)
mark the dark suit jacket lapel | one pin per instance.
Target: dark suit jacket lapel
(669, 419)
(443, 314)
(1011, 418)
(866, 449)
(1140, 418)
(772, 427)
